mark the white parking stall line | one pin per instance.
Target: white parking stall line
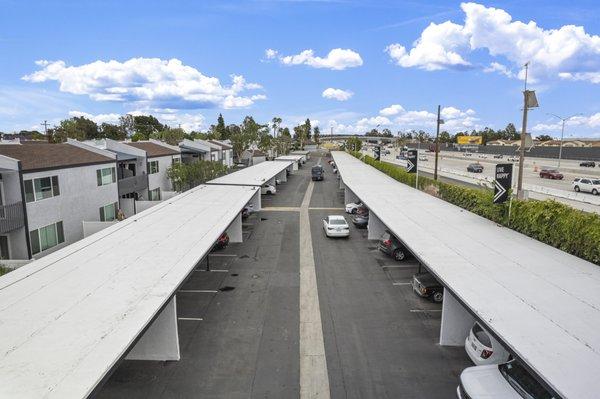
(402, 283)
(425, 310)
(190, 318)
(224, 255)
(212, 270)
(199, 291)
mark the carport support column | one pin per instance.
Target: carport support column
(342, 185)
(282, 176)
(160, 342)
(234, 231)
(375, 227)
(456, 322)
(255, 200)
(349, 196)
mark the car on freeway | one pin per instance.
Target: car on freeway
(475, 168)
(513, 159)
(423, 158)
(268, 189)
(391, 246)
(588, 164)
(222, 241)
(336, 226)
(551, 174)
(498, 156)
(482, 156)
(361, 220)
(508, 380)
(586, 185)
(482, 348)
(353, 207)
(426, 286)
(467, 154)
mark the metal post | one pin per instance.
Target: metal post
(437, 146)
(417, 177)
(562, 134)
(523, 133)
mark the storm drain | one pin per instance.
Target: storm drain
(234, 274)
(226, 288)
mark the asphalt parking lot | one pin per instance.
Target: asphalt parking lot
(239, 323)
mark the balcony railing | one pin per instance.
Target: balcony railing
(132, 184)
(11, 217)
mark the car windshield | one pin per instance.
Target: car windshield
(552, 171)
(337, 221)
(527, 386)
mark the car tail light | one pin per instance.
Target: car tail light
(486, 353)
(387, 242)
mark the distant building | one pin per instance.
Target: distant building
(47, 191)
(502, 142)
(253, 157)
(226, 152)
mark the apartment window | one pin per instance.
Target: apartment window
(176, 160)
(46, 237)
(152, 167)
(108, 213)
(106, 176)
(154, 195)
(41, 188)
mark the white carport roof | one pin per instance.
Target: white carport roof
(68, 318)
(293, 158)
(542, 302)
(255, 175)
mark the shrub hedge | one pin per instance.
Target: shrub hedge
(550, 222)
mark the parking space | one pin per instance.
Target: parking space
(239, 322)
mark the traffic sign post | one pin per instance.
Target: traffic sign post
(412, 158)
(377, 152)
(502, 182)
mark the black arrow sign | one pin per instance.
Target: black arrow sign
(502, 182)
(411, 160)
(377, 153)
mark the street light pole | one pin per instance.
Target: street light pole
(529, 101)
(437, 144)
(562, 133)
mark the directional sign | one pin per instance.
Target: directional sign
(377, 152)
(411, 161)
(503, 182)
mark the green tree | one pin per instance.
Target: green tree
(78, 128)
(354, 144)
(275, 125)
(445, 137)
(220, 130)
(544, 137)
(186, 176)
(170, 136)
(126, 123)
(307, 130)
(145, 125)
(317, 134)
(113, 132)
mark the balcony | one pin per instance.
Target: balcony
(132, 184)
(11, 217)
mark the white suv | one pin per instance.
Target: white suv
(587, 185)
(482, 348)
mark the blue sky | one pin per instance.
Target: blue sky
(467, 59)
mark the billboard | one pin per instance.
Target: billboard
(478, 140)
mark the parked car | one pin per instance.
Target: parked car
(475, 168)
(352, 207)
(482, 348)
(586, 185)
(268, 189)
(247, 211)
(551, 174)
(391, 246)
(336, 226)
(588, 164)
(423, 158)
(508, 380)
(277, 182)
(426, 286)
(498, 156)
(222, 241)
(361, 220)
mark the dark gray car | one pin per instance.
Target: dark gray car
(390, 245)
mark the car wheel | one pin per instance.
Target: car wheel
(438, 296)
(576, 188)
(595, 192)
(353, 211)
(399, 255)
(541, 176)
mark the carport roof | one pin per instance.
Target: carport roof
(255, 175)
(294, 158)
(542, 302)
(69, 317)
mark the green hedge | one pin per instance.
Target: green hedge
(550, 222)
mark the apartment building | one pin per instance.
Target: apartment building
(159, 157)
(226, 152)
(47, 191)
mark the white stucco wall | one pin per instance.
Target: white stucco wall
(80, 199)
(160, 179)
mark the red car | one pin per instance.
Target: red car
(551, 174)
(222, 242)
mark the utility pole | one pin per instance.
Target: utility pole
(45, 124)
(529, 101)
(562, 133)
(437, 143)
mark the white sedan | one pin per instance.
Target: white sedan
(353, 207)
(482, 348)
(336, 226)
(268, 189)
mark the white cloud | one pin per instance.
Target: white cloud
(572, 126)
(146, 82)
(336, 59)
(567, 52)
(392, 110)
(99, 119)
(337, 94)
